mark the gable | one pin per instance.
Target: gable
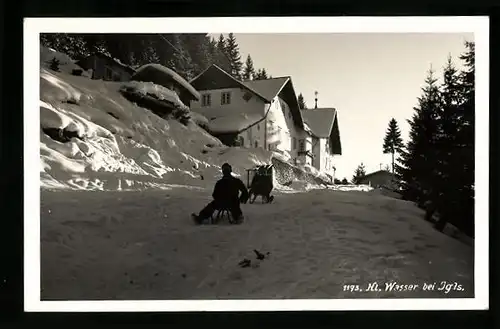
(324, 124)
(214, 78)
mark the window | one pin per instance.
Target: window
(302, 145)
(256, 144)
(108, 73)
(258, 126)
(225, 98)
(206, 100)
(294, 143)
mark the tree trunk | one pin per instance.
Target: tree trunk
(393, 162)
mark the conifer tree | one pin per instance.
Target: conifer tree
(393, 143)
(233, 54)
(302, 103)
(418, 161)
(249, 71)
(359, 174)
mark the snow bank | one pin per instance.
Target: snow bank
(152, 89)
(163, 76)
(93, 138)
(362, 188)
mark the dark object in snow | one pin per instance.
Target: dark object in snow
(71, 101)
(260, 256)
(61, 135)
(114, 115)
(204, 151)
(202, 178)
(54, 64)
(226, 195)
(262, 183)
(184, 275)
(77, 72)
(245, 263)
(163, 76)
(156, 274)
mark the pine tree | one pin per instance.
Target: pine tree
(261, 74)
(249, 71)
(264, 74)
(222, 59)
(302, 103)
(359, 174)
(466, 138)
(233, 54)
(393, 143)
(182, 62)
(444, 180)
(457, 206)
(419, 159)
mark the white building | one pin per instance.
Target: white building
(257, 113)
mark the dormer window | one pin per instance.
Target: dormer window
(206, 100)
(225, 98)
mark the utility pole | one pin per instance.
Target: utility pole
(316, 100)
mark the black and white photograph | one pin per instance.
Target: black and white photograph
(206, 164)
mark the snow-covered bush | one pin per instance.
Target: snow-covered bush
(162, 101)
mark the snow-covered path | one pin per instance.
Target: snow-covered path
(143, 245)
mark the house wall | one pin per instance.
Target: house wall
(379, 179)
(254, 136)
(308, 144)
(323, 160)
(253, 105)
(280, 131)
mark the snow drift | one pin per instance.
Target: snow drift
(92, 137)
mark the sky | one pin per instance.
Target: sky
(368, 78)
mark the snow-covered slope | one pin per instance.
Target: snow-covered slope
(92, 137)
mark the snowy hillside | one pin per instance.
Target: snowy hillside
(92, 137)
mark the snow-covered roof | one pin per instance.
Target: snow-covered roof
(158, 74)
(230, 119)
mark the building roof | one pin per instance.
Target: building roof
(378, 172)
(228, 119)
(128, 68)
(268, 88)
(215, 70)
(320, 120)
(324, 124)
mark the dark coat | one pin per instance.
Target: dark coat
(227, 190)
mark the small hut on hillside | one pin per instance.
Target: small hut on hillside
(105, 67)
(163, 76)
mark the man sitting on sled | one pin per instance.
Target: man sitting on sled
(226, 195)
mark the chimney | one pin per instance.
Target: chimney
(316, 100)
